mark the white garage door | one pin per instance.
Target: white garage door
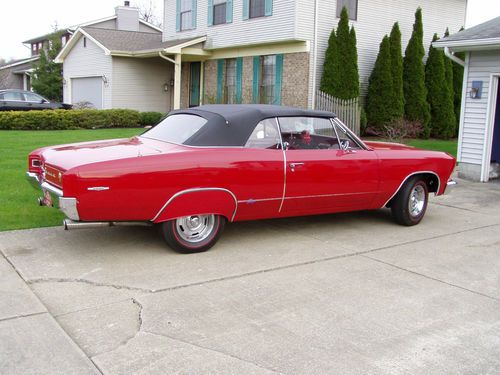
(87, 89)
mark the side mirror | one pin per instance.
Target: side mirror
(344, 145)
(286, 145)
(43, 101)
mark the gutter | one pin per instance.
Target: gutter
(315, 56)
(451, 56)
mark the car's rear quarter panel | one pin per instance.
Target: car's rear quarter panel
(140, 187)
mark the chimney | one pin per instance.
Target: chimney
(127, 17)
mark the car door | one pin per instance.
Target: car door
(325, 171)
(34, 101)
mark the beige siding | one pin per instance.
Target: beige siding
(88, 61)
(139, 84)
(109, 24)
(481, 66)
(278, 27)
(146, 29)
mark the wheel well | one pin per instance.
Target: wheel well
(431, 180)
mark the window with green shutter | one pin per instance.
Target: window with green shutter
(186, 14)
(257, 8)
(269, 77)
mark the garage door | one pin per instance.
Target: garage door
(87, 89)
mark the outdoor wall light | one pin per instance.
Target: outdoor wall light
(64, 82)
(105, 80)
(165, 87)
(477, 87)
(172, 82)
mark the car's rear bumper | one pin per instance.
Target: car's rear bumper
(450, 185)
(53, 196)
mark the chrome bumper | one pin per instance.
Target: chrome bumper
(450, 185)
(53, 197)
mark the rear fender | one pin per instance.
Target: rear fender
(200, 201)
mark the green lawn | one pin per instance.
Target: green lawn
(18, 206)
(428, 144)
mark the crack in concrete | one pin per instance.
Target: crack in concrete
(86, 281)
(459, 208)
(23, 316)
(253, 273)
(212, 350)
(432, 278)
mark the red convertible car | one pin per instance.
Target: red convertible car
(202, 167)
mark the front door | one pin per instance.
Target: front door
(326, 170)
(194, 89)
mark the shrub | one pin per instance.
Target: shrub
(397, 71)
(416, 106)
(151, 118)
(397, 130)
(72, 119)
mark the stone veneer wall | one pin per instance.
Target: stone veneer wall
(295, 80)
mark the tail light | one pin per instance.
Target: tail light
(35, 164)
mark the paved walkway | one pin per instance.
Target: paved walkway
(349, 293)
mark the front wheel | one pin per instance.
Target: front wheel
(410, 203)
(193, 234)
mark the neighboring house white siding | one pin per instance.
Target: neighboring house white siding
(481, 65)
(278, 27)
(140, 84)
(376, 18)
(89, 61)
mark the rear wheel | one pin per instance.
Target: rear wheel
(410, 203)
(193, 234)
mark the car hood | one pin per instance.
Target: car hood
(69, 156)
(388, 146)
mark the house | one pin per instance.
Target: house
(479, 135)
(243, 51)
(17, 74)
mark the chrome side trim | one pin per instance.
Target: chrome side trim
(98, 188)
(284, 164)
(178, 194)
(56, 191)
(260, 200)
(410, 175)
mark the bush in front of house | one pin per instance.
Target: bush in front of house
(76, 119)
(151, 118)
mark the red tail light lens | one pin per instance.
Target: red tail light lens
(35, 164)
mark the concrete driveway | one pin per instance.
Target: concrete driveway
(349, 293)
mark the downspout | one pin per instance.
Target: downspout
(315, 55)
(451, 56)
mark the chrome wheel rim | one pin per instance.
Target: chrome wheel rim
(416, 202)
(196, 228)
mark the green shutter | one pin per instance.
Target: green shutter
(279, 80)
(220, 80)
(210, 12)
(229, 11)
(194, 10)
(178, 15)
(256, 79)
(239, 80)
(268, 8)
(246, 9)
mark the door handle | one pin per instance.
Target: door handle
(294, 165)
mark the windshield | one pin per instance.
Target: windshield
(176, 128)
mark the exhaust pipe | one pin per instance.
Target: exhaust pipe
(70, 224)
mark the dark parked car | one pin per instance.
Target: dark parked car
(19, 100)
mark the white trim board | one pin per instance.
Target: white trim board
(490, 126)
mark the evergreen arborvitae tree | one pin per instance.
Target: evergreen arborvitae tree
(397, 71)
(416, 106)
(448, 69)
(458, 81)
(47, 75)
(380, 99)
(328, 78)
(440, 94)
(345, 64)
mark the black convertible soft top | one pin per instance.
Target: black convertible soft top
(232, 124)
